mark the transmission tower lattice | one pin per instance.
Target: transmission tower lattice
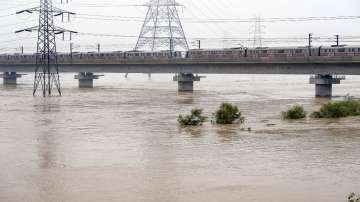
(47, 69)
(257, 33)
(162, 28)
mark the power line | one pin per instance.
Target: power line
(220, 38)
(14, 40)
(108, 5)
(107, 35)
(14, 24)
(8, 15)
(224, 20)
(17, 6)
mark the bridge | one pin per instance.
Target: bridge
(187, 70)
(162, 30)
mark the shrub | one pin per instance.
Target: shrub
(194, 119)
(228, 114)
(338, 109)
(295, 112)
(354, 197)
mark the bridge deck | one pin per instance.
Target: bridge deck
(310, 65)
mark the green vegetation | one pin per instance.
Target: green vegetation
(354, 197)
(228, 114)
(338, 109)
(295, 112)
(194, 119)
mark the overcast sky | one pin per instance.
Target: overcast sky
(199, 9)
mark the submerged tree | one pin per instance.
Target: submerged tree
(194, 119)
(228, 114)
(353, 197)
(295, 112)
(338, 109)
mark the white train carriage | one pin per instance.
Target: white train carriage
(216, 54)
(257, 52)
(4, 57)
(118, 55)
(341, 51)
(92, 56)
(24, 58)
(153, 55)
(281, 52)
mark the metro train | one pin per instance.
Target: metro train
(231, 54)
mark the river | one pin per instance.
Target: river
(121, 142)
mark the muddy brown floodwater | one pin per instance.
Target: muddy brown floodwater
(120, 142)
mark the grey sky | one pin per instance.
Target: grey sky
(203, 9)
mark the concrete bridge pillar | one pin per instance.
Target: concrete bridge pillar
(186, 81)
(10, 78)
(323, 84)
(86, 79)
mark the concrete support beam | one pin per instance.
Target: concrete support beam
(186, 81)
(10, 78)
(86, 79)
(323, 84)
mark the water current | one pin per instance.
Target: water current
(121, 142)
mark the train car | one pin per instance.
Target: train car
(135, 55)
(23, 58)
(216, 53)
(283, 52)
(257, 52)
(4, 57)
(92, 57)
(340, 51)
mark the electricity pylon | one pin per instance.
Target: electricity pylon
(258, 32)
(162, 28)
(47, 69)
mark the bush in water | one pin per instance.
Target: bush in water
(228, 114)
(295, 112)
(194, 119)
(338, 109)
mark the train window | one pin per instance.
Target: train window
(341, 50)
(264, 51)
(281, 51)
(358, 49)
(353, 50)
